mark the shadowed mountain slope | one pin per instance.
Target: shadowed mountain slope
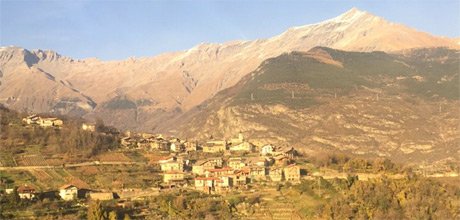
(369, 103)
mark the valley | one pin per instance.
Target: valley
(352, 117)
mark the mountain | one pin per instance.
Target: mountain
(402, 106)
(146, 93)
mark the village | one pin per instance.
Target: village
(218, 166)
(212, 167)
(142, 173)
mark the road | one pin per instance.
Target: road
(92, 163)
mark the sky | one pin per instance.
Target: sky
(118, 29)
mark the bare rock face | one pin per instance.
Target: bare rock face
(164, 86)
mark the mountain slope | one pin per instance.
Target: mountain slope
(374, 104)
(157, 89)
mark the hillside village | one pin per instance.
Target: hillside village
(212, 166)
(240, 163)
(145, 169)
(215, 166)
(141, 170)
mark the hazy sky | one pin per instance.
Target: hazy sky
(120, 29)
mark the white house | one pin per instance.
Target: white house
(88, 127)
(68, 192)
(26, 192)
(266, 150)
(244, 146)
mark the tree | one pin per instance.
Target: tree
(95, 211)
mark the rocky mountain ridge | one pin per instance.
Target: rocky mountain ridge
(146, 92)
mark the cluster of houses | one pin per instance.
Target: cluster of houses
(157, 142)
(218, 166)
(219, 174)
(43, 122)
(53, 122)
(66, 192)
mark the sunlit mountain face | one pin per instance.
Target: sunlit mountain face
(146, 93)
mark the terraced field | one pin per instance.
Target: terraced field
(31, 160)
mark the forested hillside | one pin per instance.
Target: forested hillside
(17, 138)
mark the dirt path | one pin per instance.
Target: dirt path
(93, 163)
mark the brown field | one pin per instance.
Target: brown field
(41, 175)
(153, 158)
(89, 170)
(54, 161)
(31, 160)
(113, 157)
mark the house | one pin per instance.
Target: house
(282, 160)
(267, 150)
(206, 184)
(101, 196)
(198, 168)
(159, 137)
(240, 177)
(238, 140)
(143, 144)
(190, 146)
(31, 119)
(257, 161)
(147, 135)
(288, 152)
(257, 173)
(68, 192)
(44, 122)
(154, 145)
(173, 176)
(26, 192)
(275, 174)
(215, 161)
(50, 122)
(176, 146)
(215, 146)
(201, 166)
(88, 127)
(213, 184)
(218, 172)
(292, 173)
(128, 142)
(159, 144)
(172, 166)
(236, 163)
(225, 182)
(244, 146)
